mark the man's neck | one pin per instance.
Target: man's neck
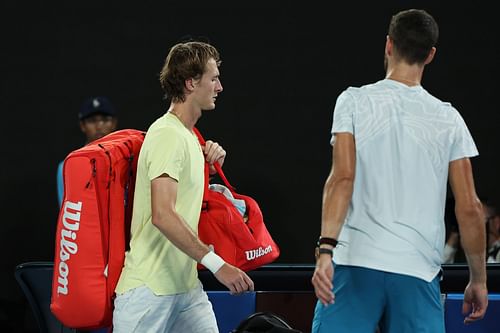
(186, 114)
(411, 75)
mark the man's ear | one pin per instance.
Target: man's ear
(189, 84)
(388, 45)
(430, 56)
(114, 124)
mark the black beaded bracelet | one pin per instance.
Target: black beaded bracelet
(327, 240)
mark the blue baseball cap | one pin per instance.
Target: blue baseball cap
(96, 105)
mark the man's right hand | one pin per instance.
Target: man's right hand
(475, 302)
(322, 280)
(234, 279)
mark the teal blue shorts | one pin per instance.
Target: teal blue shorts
(366, 299)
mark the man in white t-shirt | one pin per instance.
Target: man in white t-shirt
(394, 147)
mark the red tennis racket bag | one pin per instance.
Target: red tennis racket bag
(93, 228)
(241, 240)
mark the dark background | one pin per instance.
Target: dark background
(283, 67)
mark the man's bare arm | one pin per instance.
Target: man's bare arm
(173, 226)
(169, 222)
(337, 192)
(470, 217)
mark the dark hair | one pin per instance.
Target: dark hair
(414, 32)
(184, 61)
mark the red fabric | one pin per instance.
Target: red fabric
(244, 243)
(93, 228)
(94, 224)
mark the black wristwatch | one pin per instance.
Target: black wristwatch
(321, 250)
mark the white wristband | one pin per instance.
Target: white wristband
(212, 261)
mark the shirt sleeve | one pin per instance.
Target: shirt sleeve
(463, 144)
(343, 115)
(165, 154)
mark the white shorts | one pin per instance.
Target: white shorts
(139, 310)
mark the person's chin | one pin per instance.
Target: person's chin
(209, 108)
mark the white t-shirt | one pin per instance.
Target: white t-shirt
(405, 139)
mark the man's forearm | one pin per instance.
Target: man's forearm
(182, 236)
(473, 239)
(336, 198)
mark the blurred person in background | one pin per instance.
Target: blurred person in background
(97, 118)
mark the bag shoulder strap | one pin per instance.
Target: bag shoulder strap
(217, 166)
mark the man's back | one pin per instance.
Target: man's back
(394, 147)
(405, 139)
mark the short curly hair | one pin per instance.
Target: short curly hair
(184, 61)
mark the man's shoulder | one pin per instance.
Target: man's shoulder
(365, 88)
(164, 126)
(163, 131)
(382, 87)
(357, 93)
(442, 109)
(436, 100)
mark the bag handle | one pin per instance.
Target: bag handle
(217, 166)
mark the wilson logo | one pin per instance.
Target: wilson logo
(254, 254)
(68, 246)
